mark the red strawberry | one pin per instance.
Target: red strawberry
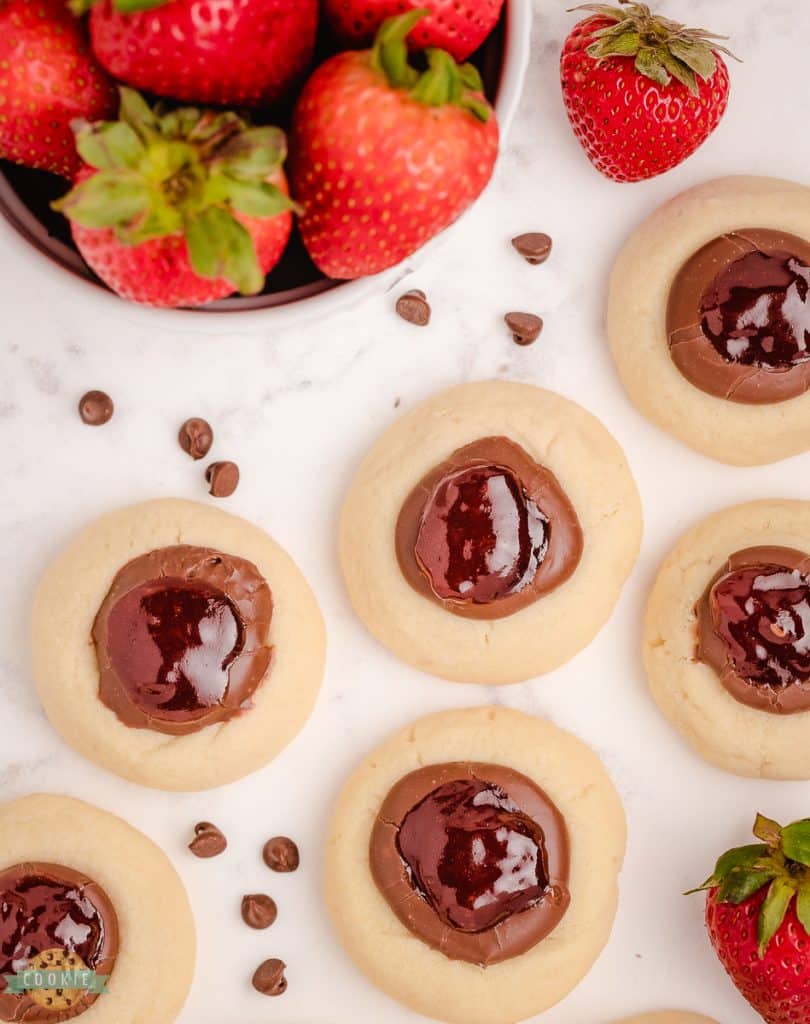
(48, 77)
(382, 157)
(179, 208)
(458, 28)
(231, 52)
(642, 92)
(758, 918)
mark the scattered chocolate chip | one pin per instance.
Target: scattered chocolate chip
(259, 911)
(269, 978)
(534, 246)
(414, 307)
(208, 841)
(96, 408)
(281, 854)
(196, 437)
(525, 327)
(223, 479)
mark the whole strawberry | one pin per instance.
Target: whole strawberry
(458, 28)
(384, 157)
(642, 92)
(758, 918)
(179, 208)
(229, 52)
(48, 77)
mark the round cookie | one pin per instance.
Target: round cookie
(148, 929)
(722, 727)
(408, 968)
(579, 471)
(82, 621)
(669, 1017)
(743, 433)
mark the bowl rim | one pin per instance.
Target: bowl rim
(332, 299)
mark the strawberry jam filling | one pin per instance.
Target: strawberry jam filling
(473, 854)
(171, 643)
(481, 537)
(473, 859)
(738, 317)
(181, 639)
(487, 531)
(756, 311)
(754, 628)
(52, 910)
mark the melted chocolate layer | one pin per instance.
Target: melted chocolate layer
(50, 907)
(754, 628)
(488, 531)
(473, 859)
(181, 639)
(738, 317)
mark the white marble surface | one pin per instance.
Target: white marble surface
(297, 410)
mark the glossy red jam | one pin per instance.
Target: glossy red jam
(757, 312)
(480, 537)
(473, 854)
(171, 643)
(762, 614)
(39, 912)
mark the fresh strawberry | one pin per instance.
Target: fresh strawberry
(642, 92)
(758, 918)
(458, 28)
(230, 52)
(179, 208)
(48, 77)
(384, 157)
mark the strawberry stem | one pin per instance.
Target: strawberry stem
(442, 83)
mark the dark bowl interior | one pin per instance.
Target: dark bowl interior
(26, 195)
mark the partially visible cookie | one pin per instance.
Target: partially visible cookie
(89, 893)
(727, 639)
(176, 645)
(487, 535)
(707, 318)
(472, 865)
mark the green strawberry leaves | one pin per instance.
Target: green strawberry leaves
(219, 246)
(796, 842)
(780, 862)
(773, 910)
(253, 154)
(109, 146)
(442, 83)
(106, 199)
(183, 171)
(79, 7)
(663, 49)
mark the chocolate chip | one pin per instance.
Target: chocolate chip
(259, 911)
(208, 841)
(534, 246)
(223, 479)
(96, 408)
(414, 307)
(281, 854)
(525, 327)
(196, 437)
(269, 978)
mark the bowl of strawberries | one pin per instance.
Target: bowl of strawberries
(259, 157)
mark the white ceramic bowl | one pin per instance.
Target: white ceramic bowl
(60, 263)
